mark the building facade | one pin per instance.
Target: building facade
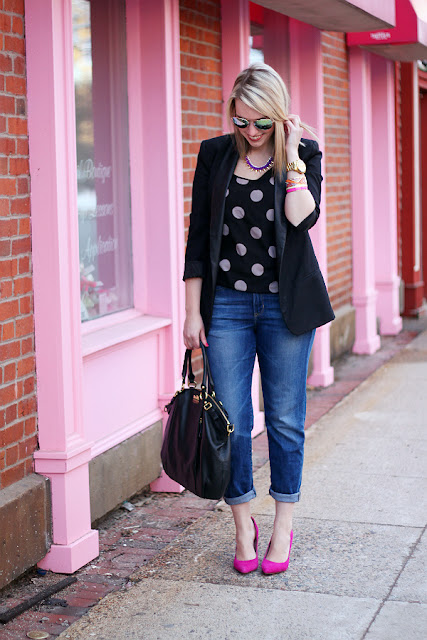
(103, 107)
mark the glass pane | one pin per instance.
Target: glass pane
(256, 43)
(103, 186)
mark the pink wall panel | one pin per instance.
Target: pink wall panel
(127, 393)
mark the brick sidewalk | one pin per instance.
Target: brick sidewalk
(128, 539)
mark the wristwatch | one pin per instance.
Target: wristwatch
(296, 165)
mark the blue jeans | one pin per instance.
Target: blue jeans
(243, 325)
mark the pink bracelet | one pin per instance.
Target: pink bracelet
(297, 189)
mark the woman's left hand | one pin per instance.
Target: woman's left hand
(293, 132)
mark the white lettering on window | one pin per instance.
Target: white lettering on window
(100, 247)
(86, 170)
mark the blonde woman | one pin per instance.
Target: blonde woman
(254, 287)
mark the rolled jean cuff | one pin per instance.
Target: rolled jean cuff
(241, 499)
(285, 497)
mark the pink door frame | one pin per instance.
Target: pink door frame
(364, 292)
(387, 280)
(308, 100)
(374, 204)
(235, 32)
(65, 449)
(306, 81)
(411, 224)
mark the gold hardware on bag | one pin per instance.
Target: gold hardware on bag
(196, 399)
(208, 405)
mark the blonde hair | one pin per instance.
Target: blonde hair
(261, 88)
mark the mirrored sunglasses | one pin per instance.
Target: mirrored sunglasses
(262, 123)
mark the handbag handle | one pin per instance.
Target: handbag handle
(187, 366)
(187, 369)
(207, 375)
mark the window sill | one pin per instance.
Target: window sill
(110, 336)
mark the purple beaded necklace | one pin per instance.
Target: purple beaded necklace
(267, 165)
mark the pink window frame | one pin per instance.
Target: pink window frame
(65, 451)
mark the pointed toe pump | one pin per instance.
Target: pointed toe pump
(246, 566)
(268, 567)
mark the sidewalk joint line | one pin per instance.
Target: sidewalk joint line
(387, 597)
(363, 522)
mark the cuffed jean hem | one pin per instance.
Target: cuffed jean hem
(241, 499)
(285, 497)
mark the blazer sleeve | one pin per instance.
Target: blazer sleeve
(197, 251)
(314, 179)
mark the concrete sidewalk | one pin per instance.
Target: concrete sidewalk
(358, 564)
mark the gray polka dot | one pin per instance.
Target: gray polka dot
(225, 265)
(225, 230)
(272, 180)
(241, 249)
(242, 181)
(257, 269)
(272, 252)
(238, 212)
(274, 287)
(256, 233)
(227, 192)
(256, 195)
(240, 285)
(270, 215)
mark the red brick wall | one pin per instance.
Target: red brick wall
(18, 432)
(201, 82)
(336, 167)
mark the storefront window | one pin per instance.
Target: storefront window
(103, 185)
(256, 37)
(256, 53)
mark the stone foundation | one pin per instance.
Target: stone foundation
(124, 470)
(26, 526)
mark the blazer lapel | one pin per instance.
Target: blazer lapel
(280, 221)
(219, 189)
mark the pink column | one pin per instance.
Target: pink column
(276, 42)
(307, 100)
(64, 451)
(154, 44)
(385, 202)
(235, 44)
(156, 170)
(362, 173)
(411, 220)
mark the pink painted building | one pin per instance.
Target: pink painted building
(117, 96)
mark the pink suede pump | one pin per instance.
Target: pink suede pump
(246, 566)
(268, 567)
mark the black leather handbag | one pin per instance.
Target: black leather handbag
(196, 443)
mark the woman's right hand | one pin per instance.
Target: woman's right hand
(194, 331)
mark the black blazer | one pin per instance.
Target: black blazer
(304, 300)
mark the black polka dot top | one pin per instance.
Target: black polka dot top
(248, 247)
